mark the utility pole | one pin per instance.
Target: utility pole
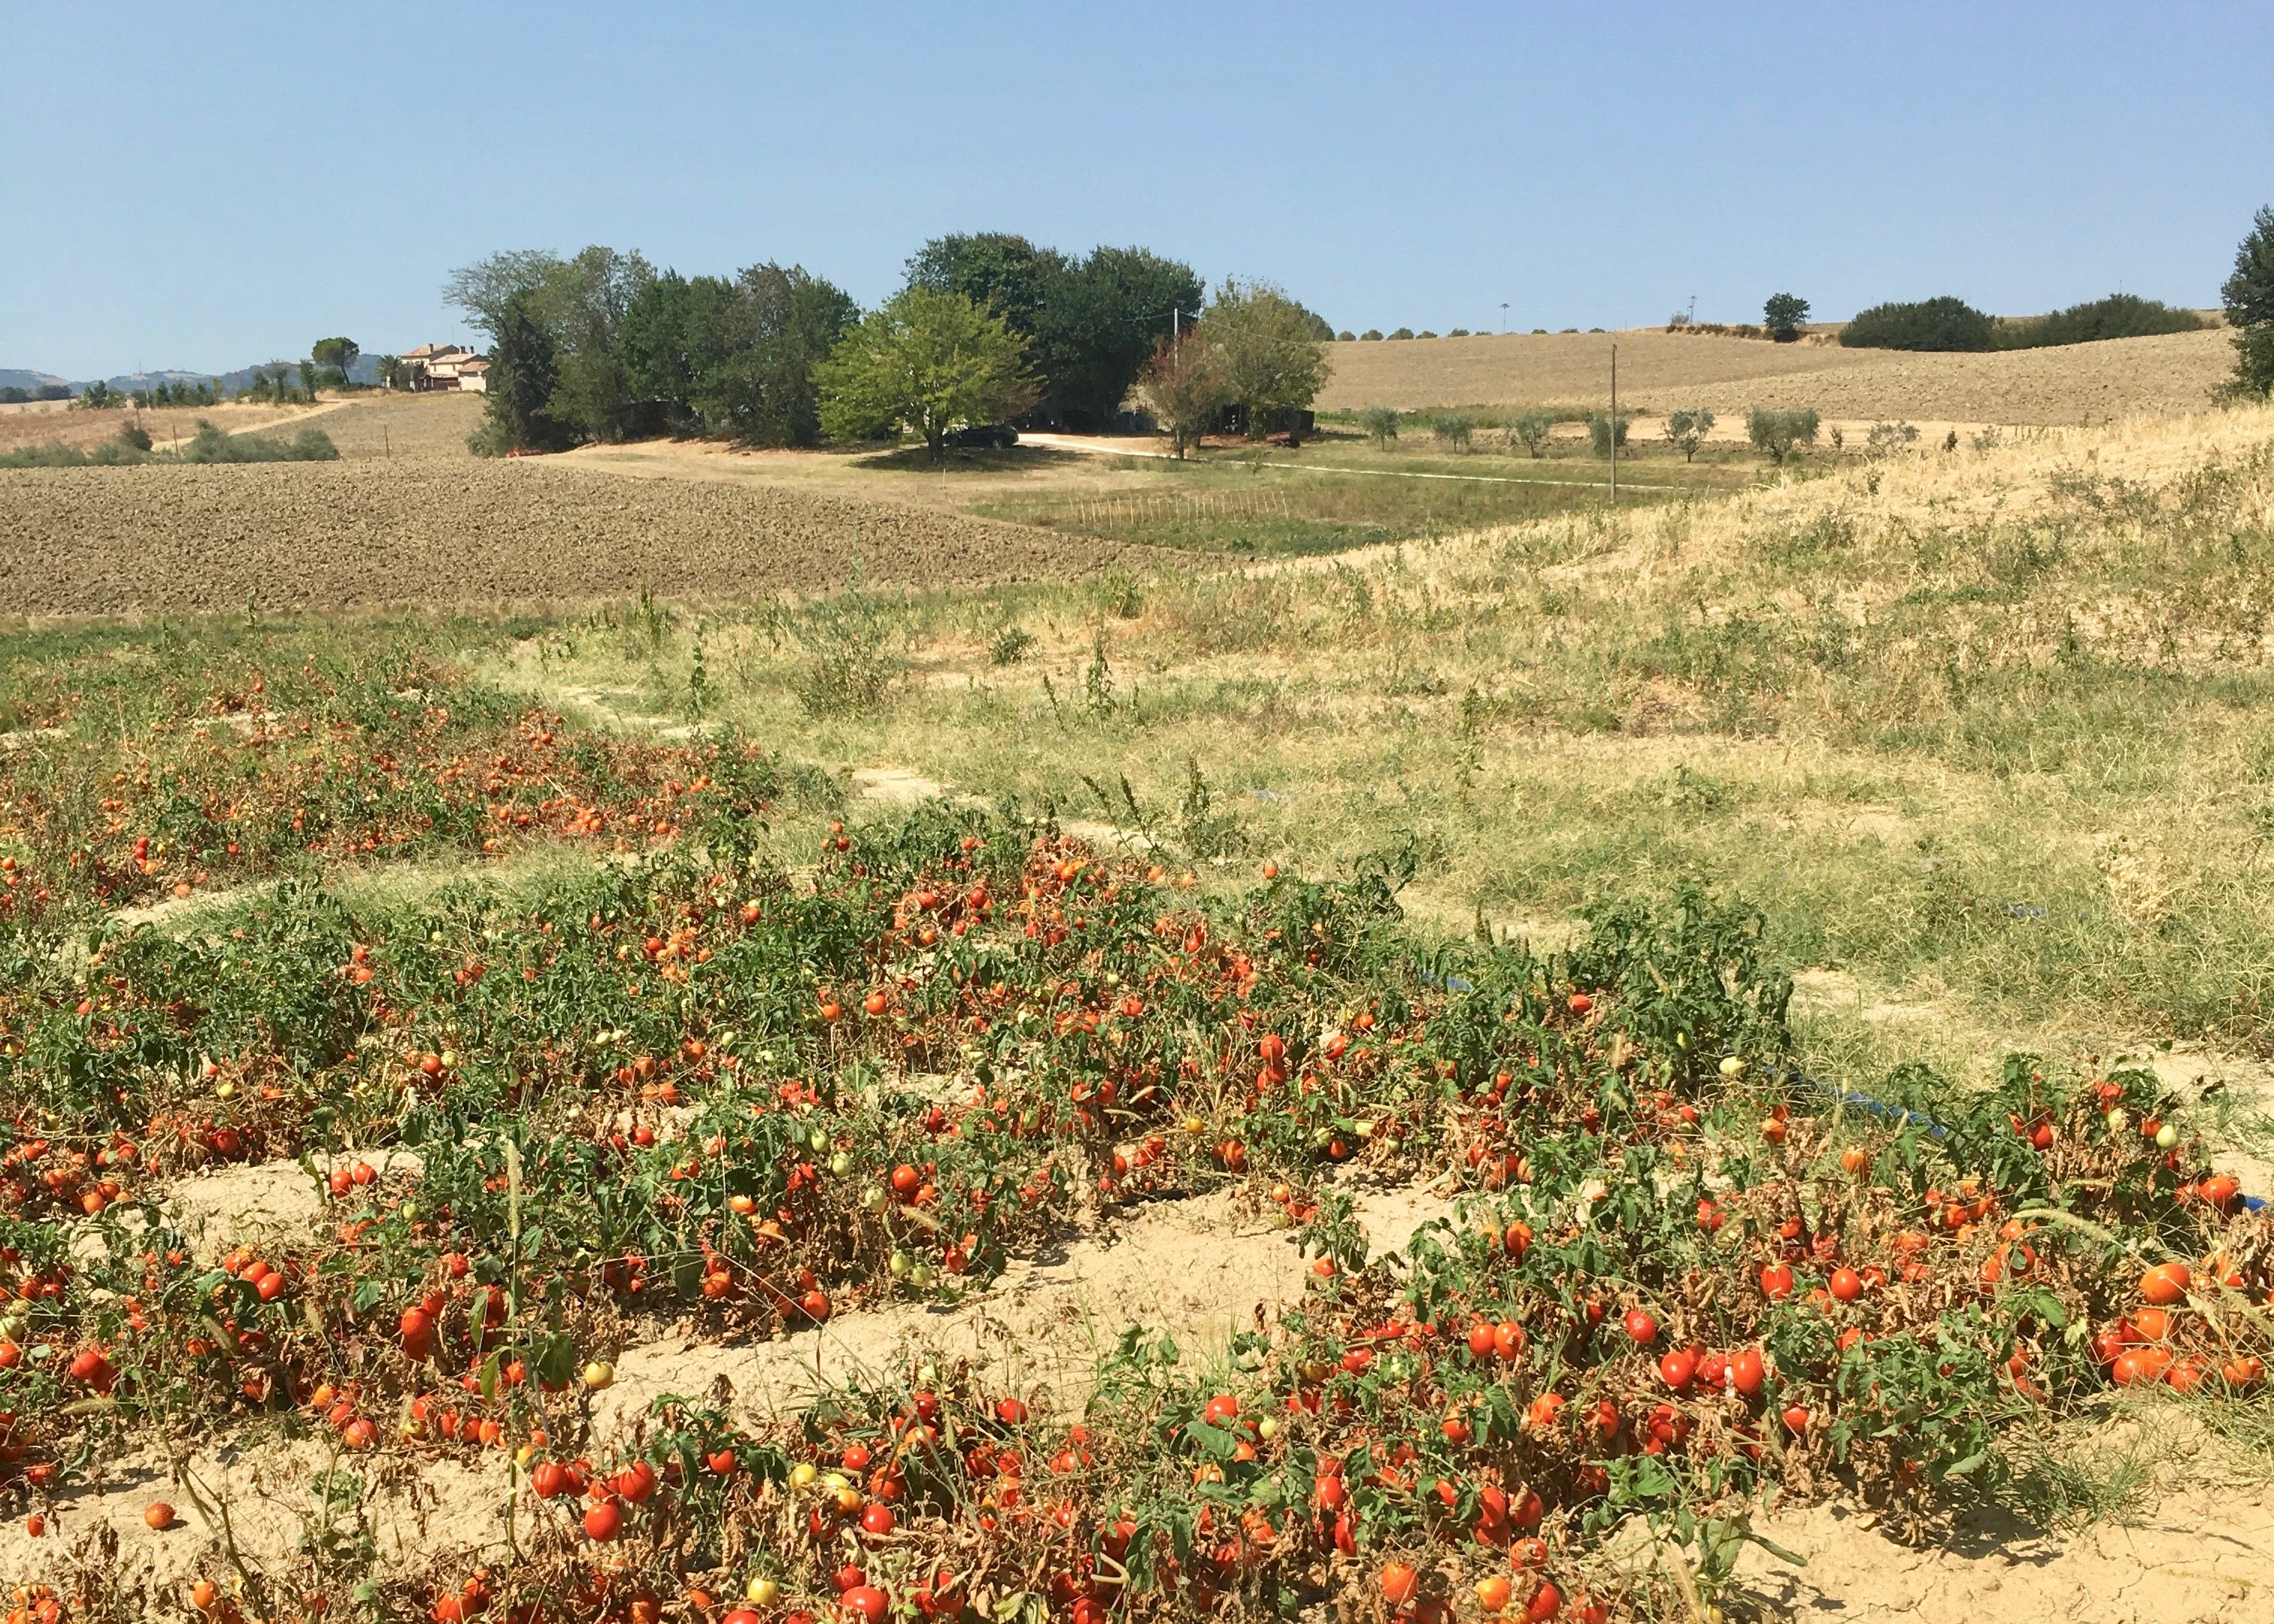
(1614, 425)
(1503, 318)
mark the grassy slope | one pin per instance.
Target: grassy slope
(1990, 732)
(1995, 735)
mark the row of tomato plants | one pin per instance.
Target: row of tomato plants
(685, 1086)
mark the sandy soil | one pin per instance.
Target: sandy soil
(1199, 1269)
(1661, 371)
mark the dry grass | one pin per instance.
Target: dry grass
(404, 426)
(46, 423)
(2175, 372)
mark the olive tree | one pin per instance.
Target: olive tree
(1686, 431)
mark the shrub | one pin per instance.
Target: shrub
(1531, 428)
(1782, 315)
(211, 445)
(1403, 333)
(2120, 315)
(1345, 336)
(1371, 333)
(1779, 432)
(1686, 431)
(1455, 428)
(130, 445)
(849, 666)
(1603, 434)
(1381, 421)
(1010, 645)
(1886, 437)
(1425, 333)
(1457, 332)
(1939, 324)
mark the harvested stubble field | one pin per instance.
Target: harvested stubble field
(367, 534)
(1663, 371)
(43, 425)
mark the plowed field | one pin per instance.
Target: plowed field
(371, 534)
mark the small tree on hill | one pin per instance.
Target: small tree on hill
(337, 353)
(1456, 429)
(1782, 316)
(1778, 432)
(1184, 381)
(2249, 296)
(928, 361)
(1532, 429)
(1686, 431)
(1380, 421)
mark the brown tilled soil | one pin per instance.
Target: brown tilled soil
(2176, 373)
(373, 534)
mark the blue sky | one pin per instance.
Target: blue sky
(203, 186)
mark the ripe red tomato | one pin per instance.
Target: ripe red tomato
(1399, 1584)
(2166, 1283)
(1776, 1281)
(1641, 1327)
(868, 1604)
(1676, 1368)
(603, 1521)
(1546, 1603)
(1746, 1371)
(876, 1519)
(1846, 1285)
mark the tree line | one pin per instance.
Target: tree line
(988, 329)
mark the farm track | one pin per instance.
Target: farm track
(422, 532)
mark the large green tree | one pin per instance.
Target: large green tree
(580, 304)
(1100, 324)
(1088, 324)
(928, 362)
(522, 380)
(734, 358)
(786, 323)
(1274, 363)
(2249, 296)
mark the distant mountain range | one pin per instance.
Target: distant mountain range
(365, 371)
